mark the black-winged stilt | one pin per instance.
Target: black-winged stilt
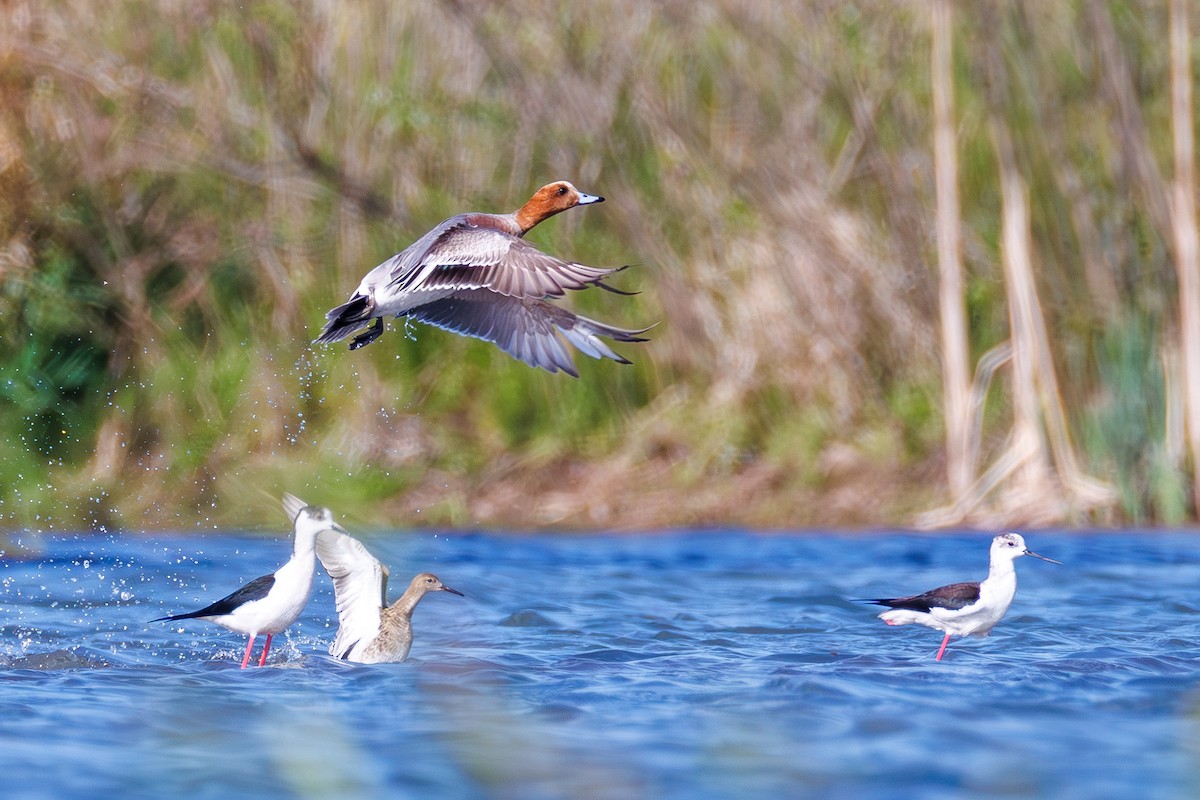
(369, 630)
(965, 609)
(273, 602)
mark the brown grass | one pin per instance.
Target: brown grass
(208, 179)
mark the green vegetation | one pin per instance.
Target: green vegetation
(188, 187)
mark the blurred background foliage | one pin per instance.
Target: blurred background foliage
(188, 186)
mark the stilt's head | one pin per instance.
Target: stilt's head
(308, 520)
(1011, 546)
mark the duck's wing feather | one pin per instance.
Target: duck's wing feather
(455, 242)
(359, 588)
(524, 272)
(525, 329)
(952, 597)
(466, 253)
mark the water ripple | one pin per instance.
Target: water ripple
(674, 666)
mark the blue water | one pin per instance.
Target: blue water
(704, 665)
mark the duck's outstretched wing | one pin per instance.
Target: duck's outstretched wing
(528, 330)
(359, 589)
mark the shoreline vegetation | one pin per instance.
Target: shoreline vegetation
(909, 267)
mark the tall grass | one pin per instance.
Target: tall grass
(189, 186)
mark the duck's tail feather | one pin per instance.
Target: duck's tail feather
(346, 319)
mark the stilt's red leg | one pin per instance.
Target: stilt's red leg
(249, 645)
(266, 648)
(945, 642)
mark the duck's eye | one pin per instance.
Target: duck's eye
(562, 190)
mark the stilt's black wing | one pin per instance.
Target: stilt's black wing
(952, 597)
(256, 589)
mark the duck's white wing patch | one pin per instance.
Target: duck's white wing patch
(457, 242)
(520, 271)
(359, 588)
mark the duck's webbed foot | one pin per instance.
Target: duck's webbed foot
(369, 335)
